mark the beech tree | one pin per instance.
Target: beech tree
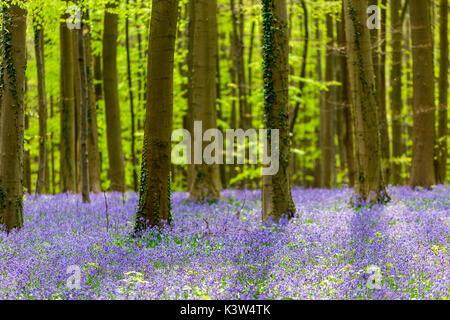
(276, 193)
(423, 135)
(12, 80)
(205, 178)
(154, 193)
(442, 151)
(67, 141)
(111, 96)
(42, 101)
(369, 183)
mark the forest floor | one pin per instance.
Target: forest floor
(223, 251)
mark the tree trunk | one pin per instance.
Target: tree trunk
(84, 106)
(369, 184)
(381, 80)
(154, 202)
(111, 95)
(131, 100)
(396, 93)
(93, 152)
(276, 194)
(12, 126)
(206, 181)
(422, 167)
(443, 96)
(344, 113)
(326, 115)
(67, 141)
(42, 102)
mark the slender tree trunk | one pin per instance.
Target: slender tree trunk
(326, 115)
(443, 96)
(276, 194)
(381, 80)
(206, 181)
(344, 113)
(238, 43)
(13, 109)
(93, 151)
(67, 141)
(318, 162)
(131, 100)
(52, 147)
(111, 94)
(396, 93)
(84, 105)
(27, 156)
(154, 201)
(369, 184)
(422, 168)
(42, 102)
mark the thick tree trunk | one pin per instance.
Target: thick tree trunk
(111, 95)
(67, 141)
(396, 93)
(154, 202)
(369, 184)
(12, 126)
(276, 193)
(422, 167)
(42, 102)
(443, 96)
(206, 178)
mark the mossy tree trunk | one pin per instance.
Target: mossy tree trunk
(423, 136)
(369, 184)
(154, 197)
(13, 69)
(276, 192)
(111, 95)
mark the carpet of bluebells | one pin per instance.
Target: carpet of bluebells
(223, 251)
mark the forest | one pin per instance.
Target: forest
(224, 149)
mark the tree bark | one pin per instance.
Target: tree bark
(111, 95)
(67, 141)
(443, 96)
(13, 109)
(396, 93)
(326, 115)
(131, 100)
(42, 102)
(93, 151)
(84, 106)
(369, 184)
(422, 167)
(154, 201)
(205, 184)
(276, 193)
(344, 113)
